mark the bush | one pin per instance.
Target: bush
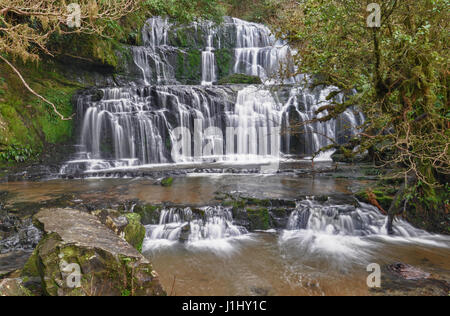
(240, 79)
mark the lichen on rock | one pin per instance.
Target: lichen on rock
(78, 242)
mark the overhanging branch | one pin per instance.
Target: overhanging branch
(34, 92)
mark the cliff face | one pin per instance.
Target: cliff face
(28, 127)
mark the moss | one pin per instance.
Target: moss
(134, 231)
(224, 59)
(25, 120)
(185, 38)
(167, 182)
(149, 214)
(239, 204)
(259, 219)
(240, 79)
(31, 268)
(385, 196)
(189, 66)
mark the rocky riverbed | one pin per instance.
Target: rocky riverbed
(289, 233)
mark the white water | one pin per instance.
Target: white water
(209, 75)
(137, 126)
(259, 53)
(348, 233)
(340, 234)
(212, 229)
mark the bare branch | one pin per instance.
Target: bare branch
(34, 92)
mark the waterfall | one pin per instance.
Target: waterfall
(153, 59)
(209, 61)
(345, 220)
(208, 226)
(256, 114)
(347, 233)
(258, 52)
(158, 120)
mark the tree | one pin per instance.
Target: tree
(28, 27)
(396, 74)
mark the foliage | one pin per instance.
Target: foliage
(397, 74)
(240, 79)
(34, 34)
(16, 153)
(259, 11)
(29, 122)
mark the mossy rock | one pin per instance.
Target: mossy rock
(149, 214)
(240, 79)
(258, 202)
(259, 219)
(280, 212)
(79, 256)
(135, 231)
(31, 268)
(167, 182)
(224, 59)
(385, 196)
(189, 67)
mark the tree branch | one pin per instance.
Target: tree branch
(33, 92)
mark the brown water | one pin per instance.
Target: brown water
(191, 190)
(276, 263)
(264, 265)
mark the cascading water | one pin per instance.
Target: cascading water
(139, 125)
(259, 53)
(209, 61)
(153, 59)
(347, 232)
(210, 227)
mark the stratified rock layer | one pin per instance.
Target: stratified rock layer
(108, 265)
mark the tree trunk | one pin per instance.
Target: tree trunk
(397, 206)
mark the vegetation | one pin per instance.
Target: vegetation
(260, 11)
(396, 74)
(240, 79)
(35, 107)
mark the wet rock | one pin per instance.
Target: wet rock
(19, 235)
(108, 265)
(280, 217)
(12, 261)
(401, 279)
(127, 226)
(408, 272)
(112, 219)
(185, 232)
(167, 182)
(150, 214)
(134, 231)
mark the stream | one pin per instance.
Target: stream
(166, 116)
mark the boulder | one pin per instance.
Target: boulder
(167, 182)
(134, 231)
(401, 279)
(127, 226)
(80, 256)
